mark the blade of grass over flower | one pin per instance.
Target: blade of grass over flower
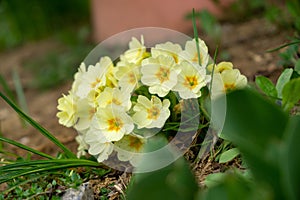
(196, 36)
(12, 142)
(213, 69)
(41, 129)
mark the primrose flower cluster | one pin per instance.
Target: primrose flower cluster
(108, 104)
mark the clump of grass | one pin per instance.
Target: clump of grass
(22, 175)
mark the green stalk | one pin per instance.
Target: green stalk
(41, 129)
(196, 36)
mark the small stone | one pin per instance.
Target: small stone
(84, 192)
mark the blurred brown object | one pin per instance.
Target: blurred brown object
(111, 16)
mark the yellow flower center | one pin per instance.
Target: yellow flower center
(195, 58)
(163, 74)
(93, 84)
(153, 113)
(92, 111)
(115, 124)
(114, 101)
(229, 87)
(135, 143)
(175, 58)
(132, 78)
(191, 82)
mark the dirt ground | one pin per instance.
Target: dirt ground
(246, 44)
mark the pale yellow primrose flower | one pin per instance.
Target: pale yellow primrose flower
(129, 147)
(78, 77)
(82, 146)
(94, 78)
(227, 81)
(111, 80)
(233, 79)
(191, 80)
(219, 68)
(67, 106)
(190, 53)
(151, 113)
(98, 145)
(129, 76)
(112, 123)
(168, 49)
(114, 96)
(136, 52)
(160, 74)
(85, 114)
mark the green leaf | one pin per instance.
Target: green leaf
(291, 94)
(290, 159)
(282, 80)
(173, 182)
(297, 66)
(232, 186)
(266, 86)
(229, 155)
(214, 179)
(255, 125)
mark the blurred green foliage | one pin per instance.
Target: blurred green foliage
(59, 66)
(283, 13)
(33, 19)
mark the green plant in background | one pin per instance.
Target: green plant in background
(34, 19)
(291, 56)
(58, 66)
(209, 24)
(285, 14)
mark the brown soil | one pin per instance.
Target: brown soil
(246, 43)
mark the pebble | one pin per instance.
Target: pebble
(84, 192)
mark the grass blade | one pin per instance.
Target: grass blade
(20, 92)
(6, 89)
(41, 129)
(17, 144)
(15, 170)
(284, 45)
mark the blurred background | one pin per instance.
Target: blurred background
(42, 43)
